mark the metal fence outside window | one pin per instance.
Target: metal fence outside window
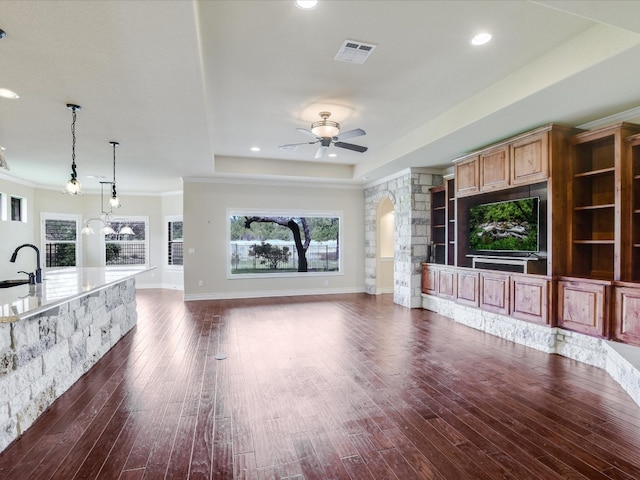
(125, 253)
(320, 258)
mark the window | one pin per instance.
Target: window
(174, 241)
(18, 209)
(127, 249)
(280, 243)
(60, 240)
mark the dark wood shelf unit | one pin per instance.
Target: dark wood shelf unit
(631, 190)
(438, 224)
(597, 197)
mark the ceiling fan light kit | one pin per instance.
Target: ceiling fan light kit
(327, 132)
(325, 128)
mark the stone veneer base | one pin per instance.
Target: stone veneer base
(621, 361)
(42, 356)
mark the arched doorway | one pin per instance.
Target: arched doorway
(385, 246)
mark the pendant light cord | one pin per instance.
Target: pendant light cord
(74, 174)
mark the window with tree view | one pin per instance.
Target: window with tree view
(276, 244)
(127, 249)
(60, 242)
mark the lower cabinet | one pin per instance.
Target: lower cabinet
(467, 291)
(526, 297)
(583, 306)
(599, 308)
(626, 327)
(530, 299)
(494, 292)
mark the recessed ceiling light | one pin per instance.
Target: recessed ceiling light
(333, 155)
(255, 149)
(306, 4)
(6, 93)
(481, 38)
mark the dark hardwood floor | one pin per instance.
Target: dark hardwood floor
(327, 387)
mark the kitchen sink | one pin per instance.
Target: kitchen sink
(13, 283)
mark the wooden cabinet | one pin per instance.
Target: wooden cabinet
(493, 166)
(530, 299)
(447, 283)
(627, 314)
(429, 279)
(524, 160)
(467, 288)
(530, 159)
(583, 306)
(494, 292)
(466, 172)
(596, 164)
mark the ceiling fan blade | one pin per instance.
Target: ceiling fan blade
(351, 146)
(296, 144)
(321, 151)
(308, 132)
(349, 134)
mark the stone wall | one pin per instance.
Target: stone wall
(409, 194)
(43, 355)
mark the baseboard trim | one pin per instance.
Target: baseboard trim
(270, 293)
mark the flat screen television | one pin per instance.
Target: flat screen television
(508, 226)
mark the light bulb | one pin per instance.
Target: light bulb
(73, 187)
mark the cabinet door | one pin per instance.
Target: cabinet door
(582, 307)
(429, 279)
(468, 289)
(530, 299)
(627, 315)
(494, 168)
(494, 292)
(447, 283)
(466, 173)
(530, 159)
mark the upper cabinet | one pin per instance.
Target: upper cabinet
(530, 159)
(521, 160)
(494, 168)
(466, 174)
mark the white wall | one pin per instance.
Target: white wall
(155, 207)
(14, 234)
(205, 231)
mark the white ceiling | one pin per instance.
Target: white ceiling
(187, 88)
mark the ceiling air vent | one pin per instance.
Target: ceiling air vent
(352, 51)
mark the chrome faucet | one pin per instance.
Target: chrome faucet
(38, 269)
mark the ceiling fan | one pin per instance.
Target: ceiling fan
(327, 132)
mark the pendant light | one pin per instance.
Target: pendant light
(114, 202)
(73, 185)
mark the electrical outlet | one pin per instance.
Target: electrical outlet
(200, 283)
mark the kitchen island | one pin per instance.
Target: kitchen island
(54, 332)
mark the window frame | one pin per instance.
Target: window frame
(44, 216)
(231, 212)
(125, 219)
(23, 208)
(168, 220)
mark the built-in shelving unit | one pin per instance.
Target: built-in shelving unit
(631, 267)
(439, 224)
(586, 276)
(451, 224)
(596, 174)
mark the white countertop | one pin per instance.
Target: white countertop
(58, 287)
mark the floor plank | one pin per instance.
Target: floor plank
(326, 387)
